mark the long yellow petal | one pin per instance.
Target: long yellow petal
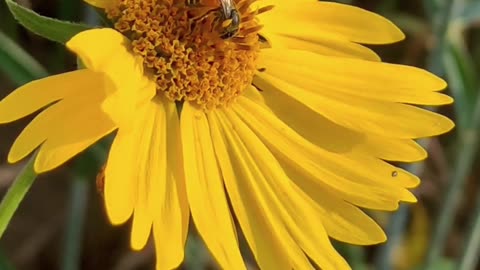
(130, 175)
(310, 19)
(330, 46)
(389, 119)
(342, 220)
(270, 242)
(404, 150)
(149, 169)
(344, 174)
(170, 226)
(120, 185)
(66, 140)
(358, 78)
(57, 128)
(339, 139)
(308, 123)
(205, 190)
(288, 208)
(40, 93)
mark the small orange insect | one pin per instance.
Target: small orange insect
(100, 181)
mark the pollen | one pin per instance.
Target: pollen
(190, 48)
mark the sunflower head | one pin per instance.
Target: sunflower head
(197, 51)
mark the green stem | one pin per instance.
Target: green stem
(74, 232)
(464, 160)
(15, 194)
(470, 257)
(398, 221)
(440, 27)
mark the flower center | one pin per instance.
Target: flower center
(201, 51)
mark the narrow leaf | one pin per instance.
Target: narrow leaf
(15, 194)
(461, 75)
(470, 255)
(471, 13)
(52, 29)
(18, 64)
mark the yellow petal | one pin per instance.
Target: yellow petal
(404, 150)
(127, 181)
(57, 126)
(170, 226)
(330, 46)
(288, 208)
(101, 3)
(389, 119)
(342, 220)
(66, 139)
(344, 174)
(40, 93)
(149, 169)
(106, 51)
(205, 190)
(339, 139)
(120, 185)
(141, 223)
(309, 124)
(310, 19)
(144, 162)
(358, 78)
(270, 242)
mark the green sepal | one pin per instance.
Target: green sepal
(49, 28)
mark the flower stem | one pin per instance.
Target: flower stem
(471, 249)
(15, 194)
(465, 157)
(397, 223)
(74, 232)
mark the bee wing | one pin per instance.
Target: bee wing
(227, 7)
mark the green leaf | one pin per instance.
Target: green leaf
(75, 223)
(470, 14)
(5, 263)
(443, 264)
(52, 29)
(15, 194)
(461, 75)
(18, 64)
(469, 256)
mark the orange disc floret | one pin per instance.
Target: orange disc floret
(183, 50)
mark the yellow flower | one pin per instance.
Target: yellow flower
(285, 122)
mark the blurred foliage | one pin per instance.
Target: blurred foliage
(62, 224)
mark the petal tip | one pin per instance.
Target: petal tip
(137, 244)
(11, 158)
(446, 125)
(117, 216)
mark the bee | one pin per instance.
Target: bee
(229, 12)
(225, 12)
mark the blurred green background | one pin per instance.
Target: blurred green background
(61, 224)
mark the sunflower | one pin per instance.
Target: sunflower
(269, 116)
